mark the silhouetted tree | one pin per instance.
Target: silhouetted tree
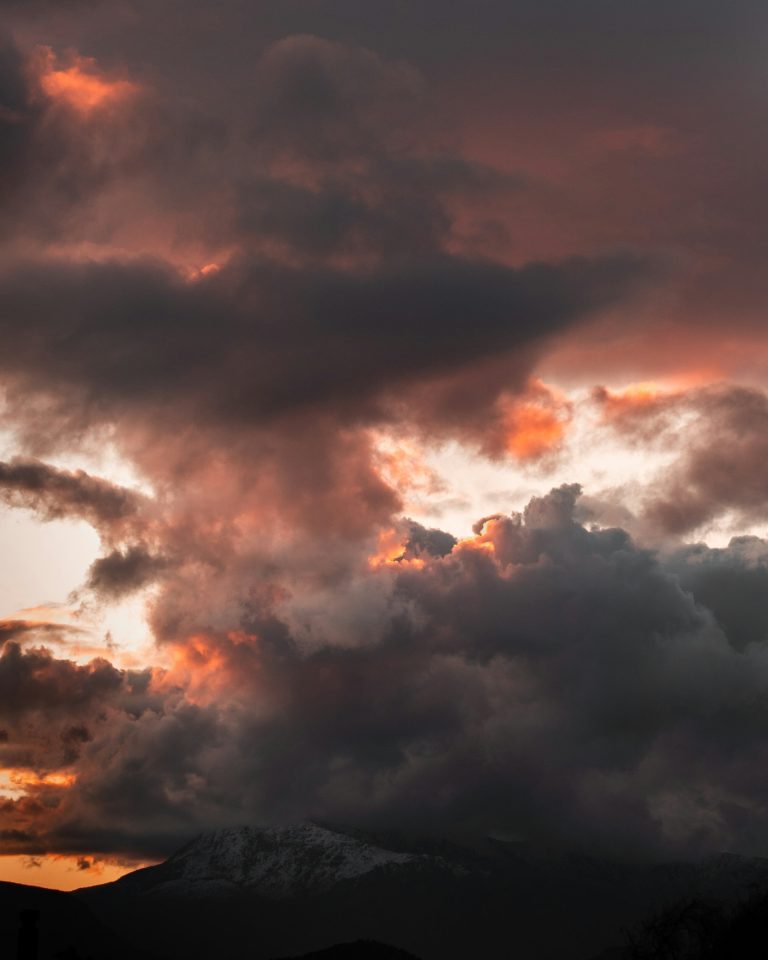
(28, 935)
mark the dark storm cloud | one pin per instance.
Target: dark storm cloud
(429, 541)
(123, 572)
(57, 162)
(54, 711)
(327, 102)
(730, 581)
(17, 115)
(565, 686)
(344, 288)
(258, 340)
(55, 493)
(34, 680)
(343, 296)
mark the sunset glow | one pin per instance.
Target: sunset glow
(15, 782)
(63, 872)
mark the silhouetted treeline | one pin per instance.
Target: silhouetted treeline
(705, 930)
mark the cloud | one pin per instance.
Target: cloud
(717, 434)
(19, 630)
(554, 682)
(55, 493)
(33, 680)
(239, 273)
(141, 337)
(123, 572)
(17, 113)
(429, 541)
(731, 582)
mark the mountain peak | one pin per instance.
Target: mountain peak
(278, 861)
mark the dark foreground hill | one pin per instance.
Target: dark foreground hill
(360, 950)
(285, 892)
(64, 921)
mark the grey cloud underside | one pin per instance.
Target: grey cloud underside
(55, 494)
(732, 582)
(260, 341)
(344, 289)
(570, 692)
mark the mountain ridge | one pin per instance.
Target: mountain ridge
(303, 859)
(291, 890)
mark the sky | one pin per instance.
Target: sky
(383, 424)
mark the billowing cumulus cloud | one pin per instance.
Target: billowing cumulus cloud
(539, 679)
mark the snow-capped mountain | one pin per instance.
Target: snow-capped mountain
(277, 862)
(287, 890)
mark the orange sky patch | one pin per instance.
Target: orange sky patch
(18, 781)
(62, 872)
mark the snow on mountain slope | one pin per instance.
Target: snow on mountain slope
(276, 862)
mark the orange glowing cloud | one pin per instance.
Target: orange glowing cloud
(80, 85)
(390, 551)
(637, 394)
(19, 782)
(201, 665)
(478, 544)
(535, 431)
(535, 425)
(636, 399)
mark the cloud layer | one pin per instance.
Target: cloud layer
(239, 247)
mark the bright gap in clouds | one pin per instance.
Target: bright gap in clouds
(465, 486)
(47, 560)
(50, 561)
(472, 486)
